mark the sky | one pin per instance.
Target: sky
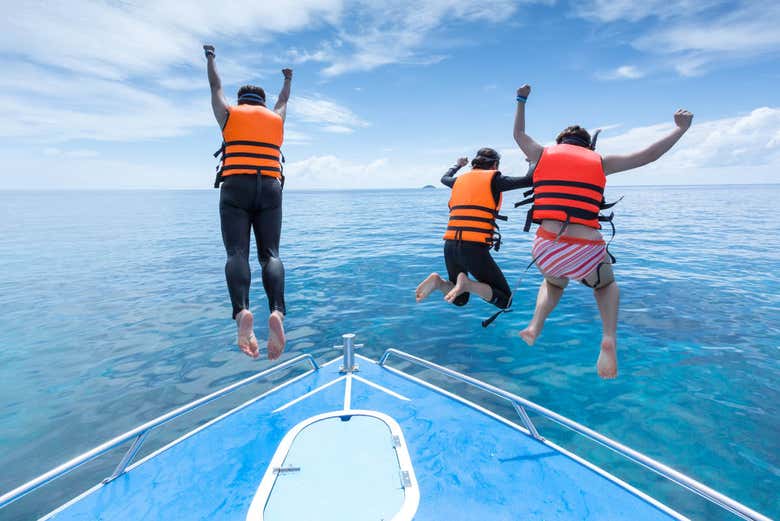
(385, 94)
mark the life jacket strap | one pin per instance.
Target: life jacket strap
(485, 220)
(574, 184)
(491, 211)
(578, 213)
(569, 197)
(609, 218)
(245, 143)
(605, 205)
(494, 316)
(528, 220)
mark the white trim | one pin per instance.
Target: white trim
(178, 440)
(411, 492)
(550, 444)
(348, 393)
(304, 396)
(383, 389)
(331, 362)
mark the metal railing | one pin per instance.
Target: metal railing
(139, 433)
(520, 404)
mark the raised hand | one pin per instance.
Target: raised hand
(463, 161)
(683, 118)
(524, 91)
(208, 49)
(287, 74)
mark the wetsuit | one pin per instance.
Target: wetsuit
(249, 201)
(472, 257)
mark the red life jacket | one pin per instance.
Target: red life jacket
(569, 183)
(474, 210)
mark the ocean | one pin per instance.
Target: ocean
(115, 310)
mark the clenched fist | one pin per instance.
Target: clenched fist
(524, 91)
(463, 161)
(683, 118)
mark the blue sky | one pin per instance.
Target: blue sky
(385, 94)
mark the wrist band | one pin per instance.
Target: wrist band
(521, 99)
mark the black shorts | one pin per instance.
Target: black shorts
(474, 258)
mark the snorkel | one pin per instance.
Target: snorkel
(251, 95)
(578, 136)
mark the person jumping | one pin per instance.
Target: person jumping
(251, 199)
(568, 187)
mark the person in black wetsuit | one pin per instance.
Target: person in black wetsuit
(472, 232)
(251, 199)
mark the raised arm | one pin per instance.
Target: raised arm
(284, 95)
(448, 179)
(620, 163)
(531, 149)
(218, 101)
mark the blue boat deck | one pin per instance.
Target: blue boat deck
(468, 464)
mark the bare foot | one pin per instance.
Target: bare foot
(461, 287)
(246, 335)
(276, 339)
(432, 282)
(529, 335)
(607, 363)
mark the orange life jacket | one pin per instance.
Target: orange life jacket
(473, 210)
(568, 186)
(251, 142)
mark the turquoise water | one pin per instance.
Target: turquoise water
(114, 310)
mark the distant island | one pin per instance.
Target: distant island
(429, 187)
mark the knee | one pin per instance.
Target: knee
(265, 256)
(501, 300)
(461, 300)
(236, 256)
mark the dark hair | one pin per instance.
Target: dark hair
(254, 91)
(574, 135)
(485, 158)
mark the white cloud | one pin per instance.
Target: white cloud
(385, 32)
(749, 140)
(337, 118)
(329, 172)
(691, 36)
(633, 11)
(338, 129)
(624, 72)
(121, 39)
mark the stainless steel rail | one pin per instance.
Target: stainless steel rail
(139, 433)
(669, 473)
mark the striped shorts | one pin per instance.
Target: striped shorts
(567, 257)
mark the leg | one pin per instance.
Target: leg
(267, 224)
(464, 285)
(453, 259)
(490, 282)
(432, 282)
(607, 296)
(235, 224)
(548, 297)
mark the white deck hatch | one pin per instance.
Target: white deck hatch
(345, 465)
